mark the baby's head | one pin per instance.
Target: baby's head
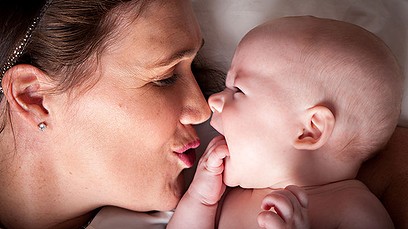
(302, 84)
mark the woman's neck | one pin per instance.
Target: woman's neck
(78, 222)
(33, 195)
(73, 223)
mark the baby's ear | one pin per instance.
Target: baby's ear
(316, 128)
(23, 87)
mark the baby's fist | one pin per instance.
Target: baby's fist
(285, 208)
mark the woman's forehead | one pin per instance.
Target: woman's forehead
(158, 38)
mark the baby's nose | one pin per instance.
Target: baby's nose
(216, 102)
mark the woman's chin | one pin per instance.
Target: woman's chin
(165, 197)
(166, 202)
(174, 195)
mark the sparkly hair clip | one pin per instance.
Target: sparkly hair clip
(19, 50)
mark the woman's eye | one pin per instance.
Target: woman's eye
(167, 81)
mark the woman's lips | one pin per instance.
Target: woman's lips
(187, 154)
(188, 157)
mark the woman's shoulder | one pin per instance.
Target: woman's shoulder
(386, 175)
(346, 204)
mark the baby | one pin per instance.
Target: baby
(307, 100)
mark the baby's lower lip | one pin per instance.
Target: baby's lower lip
(188, 157)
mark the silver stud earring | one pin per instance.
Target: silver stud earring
(42, 126)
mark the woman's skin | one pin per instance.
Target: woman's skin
(386, 175)
(118, 142)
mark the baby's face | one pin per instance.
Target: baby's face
(255, 115)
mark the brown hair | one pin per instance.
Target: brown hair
(69, 36)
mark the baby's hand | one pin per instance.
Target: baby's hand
(285, 208)
(207, 185)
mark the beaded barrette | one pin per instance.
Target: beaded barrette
(19, 50)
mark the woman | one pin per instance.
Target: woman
(386, 175)
(98, 105)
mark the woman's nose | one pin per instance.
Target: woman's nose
(196, 109)
(216, 102)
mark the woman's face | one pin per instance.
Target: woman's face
(123, 140)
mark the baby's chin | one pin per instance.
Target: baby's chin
(233, 178)
(231, 182)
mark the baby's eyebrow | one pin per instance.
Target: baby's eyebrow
(178, 55)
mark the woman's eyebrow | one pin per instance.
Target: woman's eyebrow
(179, 55)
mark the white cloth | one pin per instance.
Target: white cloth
(117, 218)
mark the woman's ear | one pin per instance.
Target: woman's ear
(316, 128)
(23, 87)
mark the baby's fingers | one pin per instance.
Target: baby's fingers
(289, 204)
(280, 202)
(216, 141)
(216, 157)
(212, 160)
(269, 219)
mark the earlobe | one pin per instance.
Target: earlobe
(23, 87)
(317, 126)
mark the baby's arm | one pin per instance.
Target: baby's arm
(198, 207)
(285, 208)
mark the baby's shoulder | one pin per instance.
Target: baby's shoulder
(347, 192)
(346, 204)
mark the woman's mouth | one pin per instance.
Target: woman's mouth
(188, 157)
(187, 153)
